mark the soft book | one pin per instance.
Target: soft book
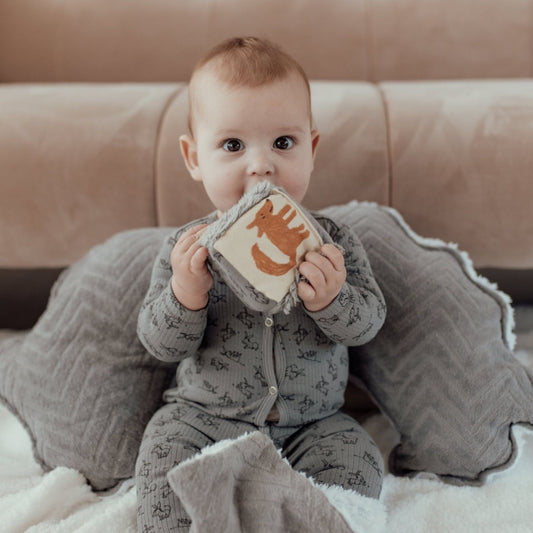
(258, 244)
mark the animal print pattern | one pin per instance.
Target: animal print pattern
(240, 364)
(286, 239)
(332, 451)
(337, 452)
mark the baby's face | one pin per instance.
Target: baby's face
(245, 135)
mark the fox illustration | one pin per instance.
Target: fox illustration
(276, 228)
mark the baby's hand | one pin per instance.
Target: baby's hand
(191, 279)
(325, 274)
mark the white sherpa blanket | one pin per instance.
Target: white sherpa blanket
(61, 502)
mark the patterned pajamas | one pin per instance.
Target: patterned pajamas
(240, 371)
(332, 451)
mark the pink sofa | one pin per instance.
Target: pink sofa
(423, 106)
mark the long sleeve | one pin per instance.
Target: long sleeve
(168, 330)
(358, 311)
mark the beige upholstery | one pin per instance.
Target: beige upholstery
(461, 164)
(424, 106)
(160, 40)
(77, 164)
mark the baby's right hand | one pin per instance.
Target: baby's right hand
(191, 279)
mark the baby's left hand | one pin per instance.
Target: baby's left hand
(325, 274)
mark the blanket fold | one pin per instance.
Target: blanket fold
(245, 486)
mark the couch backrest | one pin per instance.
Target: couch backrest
(81, 161)
(160, 40)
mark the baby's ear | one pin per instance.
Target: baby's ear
(189, 152)
(315, 137)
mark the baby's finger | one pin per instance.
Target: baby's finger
(305, 291)
(199, 229)
(334, 255)
(195, 232)
(318, 260)
(313, 273)
(198, 259)
(191, 236)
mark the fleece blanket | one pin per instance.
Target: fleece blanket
(60, 501)
(250, 488)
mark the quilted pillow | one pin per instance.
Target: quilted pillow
(442, 367)
(81, 382)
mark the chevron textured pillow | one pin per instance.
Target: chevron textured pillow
(81, 382)
(442, 367)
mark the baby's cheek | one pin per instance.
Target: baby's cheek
(298, 191)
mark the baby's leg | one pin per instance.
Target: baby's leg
(337, 451)
(167, 441)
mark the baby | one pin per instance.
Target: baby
(241, 371)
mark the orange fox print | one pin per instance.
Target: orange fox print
(276, 228)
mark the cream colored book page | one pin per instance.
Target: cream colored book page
(267, 243)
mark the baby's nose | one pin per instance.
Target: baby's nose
(260, 164)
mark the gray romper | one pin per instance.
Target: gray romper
(241, 371)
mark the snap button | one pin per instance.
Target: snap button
(269, 322)
(272, 390)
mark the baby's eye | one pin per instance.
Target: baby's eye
(233, 145)
(283, 143)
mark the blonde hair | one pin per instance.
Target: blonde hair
(247, 62)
